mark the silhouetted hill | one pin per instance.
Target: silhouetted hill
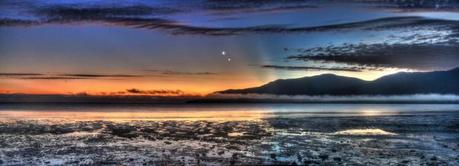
(441, 82)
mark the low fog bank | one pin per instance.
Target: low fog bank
(415, 98)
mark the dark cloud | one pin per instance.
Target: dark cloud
(100, 13)
(52, 78)
(415, 56)
(142, 16)
(279, 67)
(17, 22)
(376, 24)
(148, 16)
(267, 9)
(135, 16)
(230, 7)
(40, 76)
(84, 97)
(34, 76)
(431, 44)
(187, 73)
(160, 92)
(396, 4)
(173, 72)
(19, 74)
(414, 4)
(244, 4)
(100, 75)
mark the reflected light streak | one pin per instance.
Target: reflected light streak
(362, 132)
(221, 116)
(372, 113)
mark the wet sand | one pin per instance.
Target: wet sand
(285, 136)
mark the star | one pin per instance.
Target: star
(223, 53)
(229, 59)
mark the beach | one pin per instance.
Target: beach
(239, 134)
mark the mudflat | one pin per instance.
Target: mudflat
(283, 135)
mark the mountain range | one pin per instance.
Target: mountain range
(403, 83)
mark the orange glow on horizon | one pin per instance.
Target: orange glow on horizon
(187, 86)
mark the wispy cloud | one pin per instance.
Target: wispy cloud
(60, 12)
(140, 14)
(100, 75)
(414, 5)
(152, 17)
(415, 56)
(370, 25)
(176, 72)
(156, 92)
(157, 73)
(41, 76)
(232, 7)
(52, 78)
(279, 67)
(187, 73)
(242, 4)
(19, 74)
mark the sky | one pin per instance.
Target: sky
(181, 47)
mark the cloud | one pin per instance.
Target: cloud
(231, 7)
(242, 4)
(175, 72)
(100, 75)
(414, 5)
(279, 67)
(414, 56)
(36, 76)
(156, 92)
(18, 22)
(401, 4)
(229, 11)
(139, 14)
(151, 17)
(52, 78)
(370, 25)
(84, 97)
(97, 13)
(40, 76)
(19, 74)
(187, 73)
(415, 43)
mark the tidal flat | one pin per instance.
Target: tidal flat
(301, 134)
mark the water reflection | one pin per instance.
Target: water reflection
(129, 116)
(213, 112)
(371, 113)
(363, 132)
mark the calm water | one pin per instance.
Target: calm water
(225, 112)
